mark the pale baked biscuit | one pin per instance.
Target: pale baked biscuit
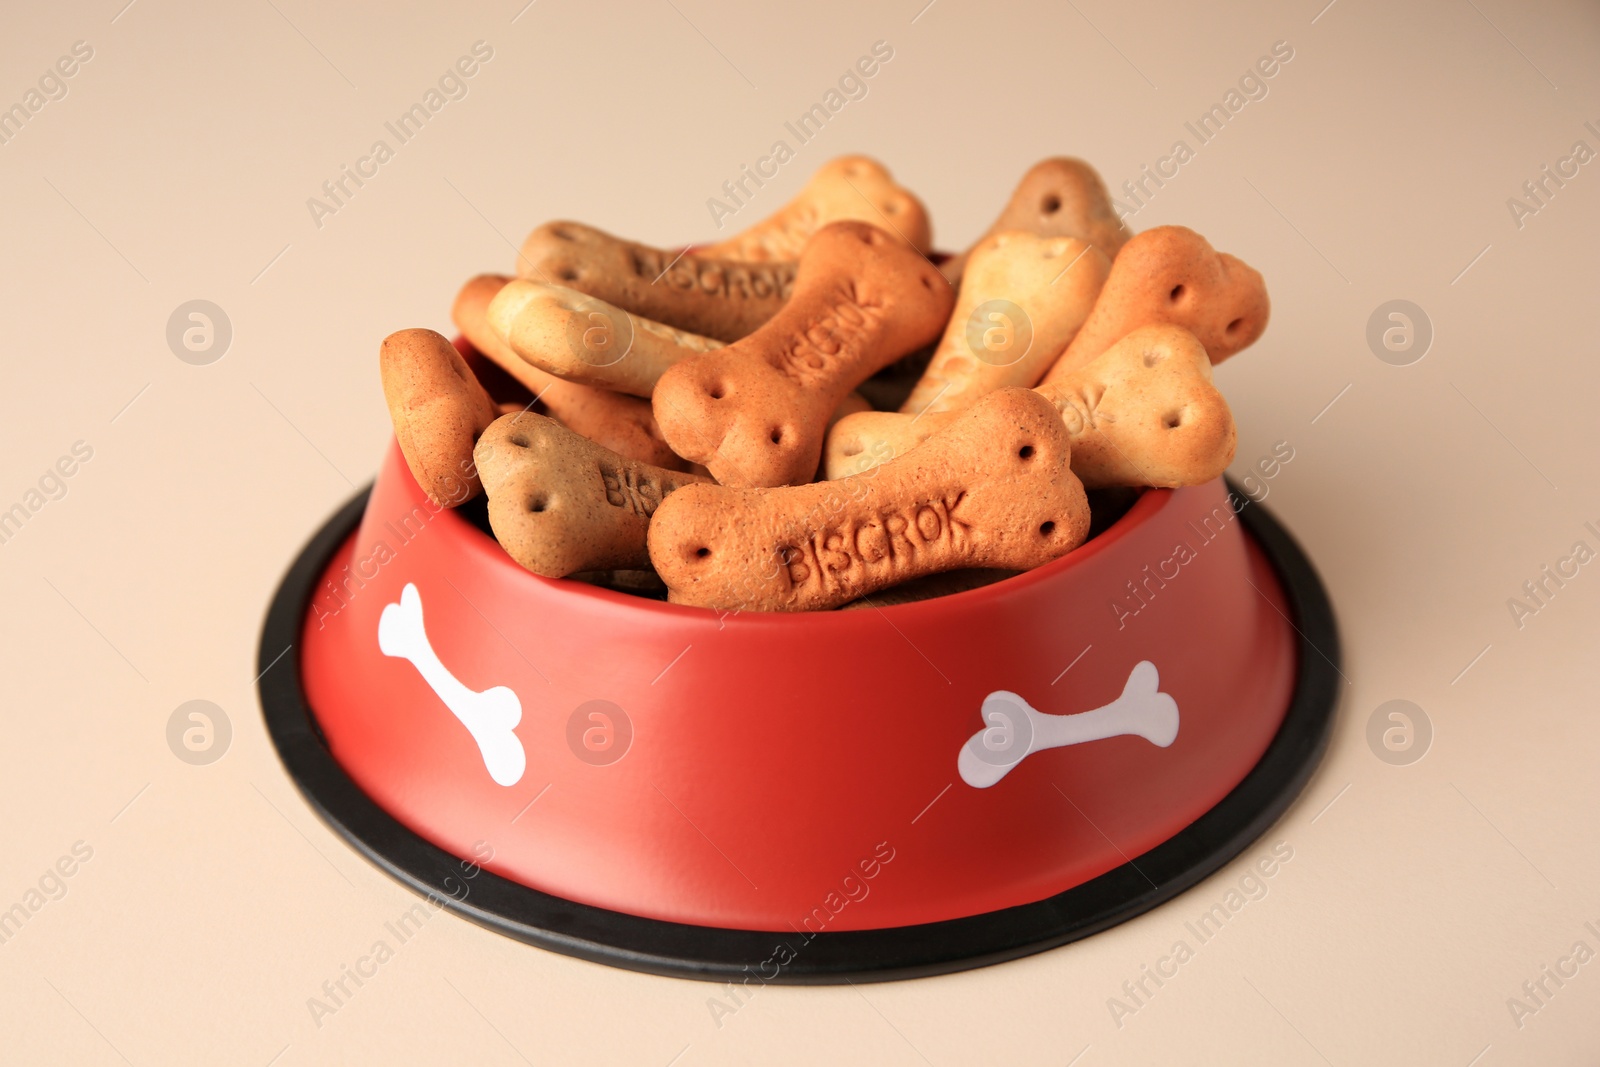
(850, 187)
(1146, 413)
(721, 298)
(559, 503)
(624, 424)
(584, 339)
(1022, 299)
(1058, 197)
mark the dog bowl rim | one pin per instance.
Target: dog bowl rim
(483, 546)
(716, 954)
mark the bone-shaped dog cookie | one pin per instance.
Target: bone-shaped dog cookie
(1022, 299)
(490, 717)
(559, 503)
(721, 298)
(1172, 275)
(1144, 413)
(584, 339)
(1016, 730)
(993, 489)
(438, 409)
(1058, 197)
(755, 413)
(624, 424)
(850, 187)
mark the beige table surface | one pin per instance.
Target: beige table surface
(178, 165)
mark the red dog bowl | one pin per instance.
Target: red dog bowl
(860, 794)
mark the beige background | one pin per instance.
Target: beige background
(1378, 167)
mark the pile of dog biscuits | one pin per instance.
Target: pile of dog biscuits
(699, 419)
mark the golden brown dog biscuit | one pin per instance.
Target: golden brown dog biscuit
(438, 410)
(1172, 274)
(584, 339)
(559, 503)
(850, 187)
(1022, 299)
(624, 424)
(756, 412)
(470, 315)
(994, 489)
(721, 298)
(1144, 413)
(1058, 197)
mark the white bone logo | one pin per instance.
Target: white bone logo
(490, 716)
(1016, 731)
